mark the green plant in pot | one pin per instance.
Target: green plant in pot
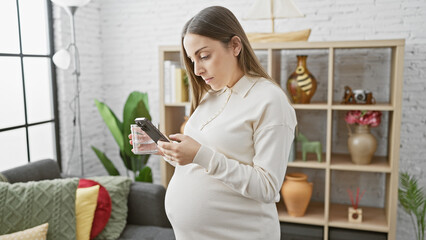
(413, 201)
(136, 106)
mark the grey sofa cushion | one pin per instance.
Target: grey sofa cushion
(147, 233)
(146, 205)
(41, 170)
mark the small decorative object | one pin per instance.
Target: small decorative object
(182, 127)
(355, 213)
(362, 144)
(309, 146)
(296, 192)
(413, 200)
(301, 84)
(358, 96)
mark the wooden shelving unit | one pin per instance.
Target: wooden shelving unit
(325, 213)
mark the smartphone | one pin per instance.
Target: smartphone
(151, 130)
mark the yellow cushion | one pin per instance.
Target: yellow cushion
(35, 233)
(85, 206)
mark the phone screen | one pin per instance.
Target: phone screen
(151, 130)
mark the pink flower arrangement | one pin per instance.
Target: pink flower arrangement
(371, 118)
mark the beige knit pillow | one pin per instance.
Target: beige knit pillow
(35, 233)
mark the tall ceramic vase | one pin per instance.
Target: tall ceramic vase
(362, 145)
(301, 84)
(297, 193)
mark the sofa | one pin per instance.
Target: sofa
(146, 218)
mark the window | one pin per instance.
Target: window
(29, 125)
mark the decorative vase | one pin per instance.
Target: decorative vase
(296, 192)
(301, 84)
(362, 145)
(354, 215)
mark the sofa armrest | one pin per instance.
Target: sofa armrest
(146, 205)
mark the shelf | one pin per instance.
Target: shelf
(344, 162)
(319, 106)
(314, 214)
(373, 219)
(182, 104)
(311, 106)
(309, 163)
(331, 44)
(377, 107)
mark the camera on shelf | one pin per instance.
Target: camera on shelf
(362, 96)
(358, 96)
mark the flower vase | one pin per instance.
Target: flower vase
(296, 192)
(354, 215)
(361, 144)
(301, 84)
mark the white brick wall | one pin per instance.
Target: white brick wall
(119, 42)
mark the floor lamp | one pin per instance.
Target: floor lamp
(62, 60)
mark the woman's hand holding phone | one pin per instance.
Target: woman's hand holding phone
(181, 150)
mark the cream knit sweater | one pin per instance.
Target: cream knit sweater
(230, 189)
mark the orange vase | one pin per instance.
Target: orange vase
(301, 84)
(297, 193)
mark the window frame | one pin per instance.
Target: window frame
(54, 88)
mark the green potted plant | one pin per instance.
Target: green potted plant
(136, 106)
(413, 201)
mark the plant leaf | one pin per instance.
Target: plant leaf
(136, 106)
(144, 159)
(402, 193)
(145, 175)
(114, 125)
(141, 161)
(413, 201)
(109, 166)
(422, 218)
(126, 160)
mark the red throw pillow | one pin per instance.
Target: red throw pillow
(103, 208)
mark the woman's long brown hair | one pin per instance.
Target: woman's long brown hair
(220, 24)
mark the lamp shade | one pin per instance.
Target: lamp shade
(71, 3)
(62, 59)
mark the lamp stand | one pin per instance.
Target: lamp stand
(71, 11)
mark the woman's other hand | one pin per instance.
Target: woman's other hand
(182, 151)
(130, 137)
